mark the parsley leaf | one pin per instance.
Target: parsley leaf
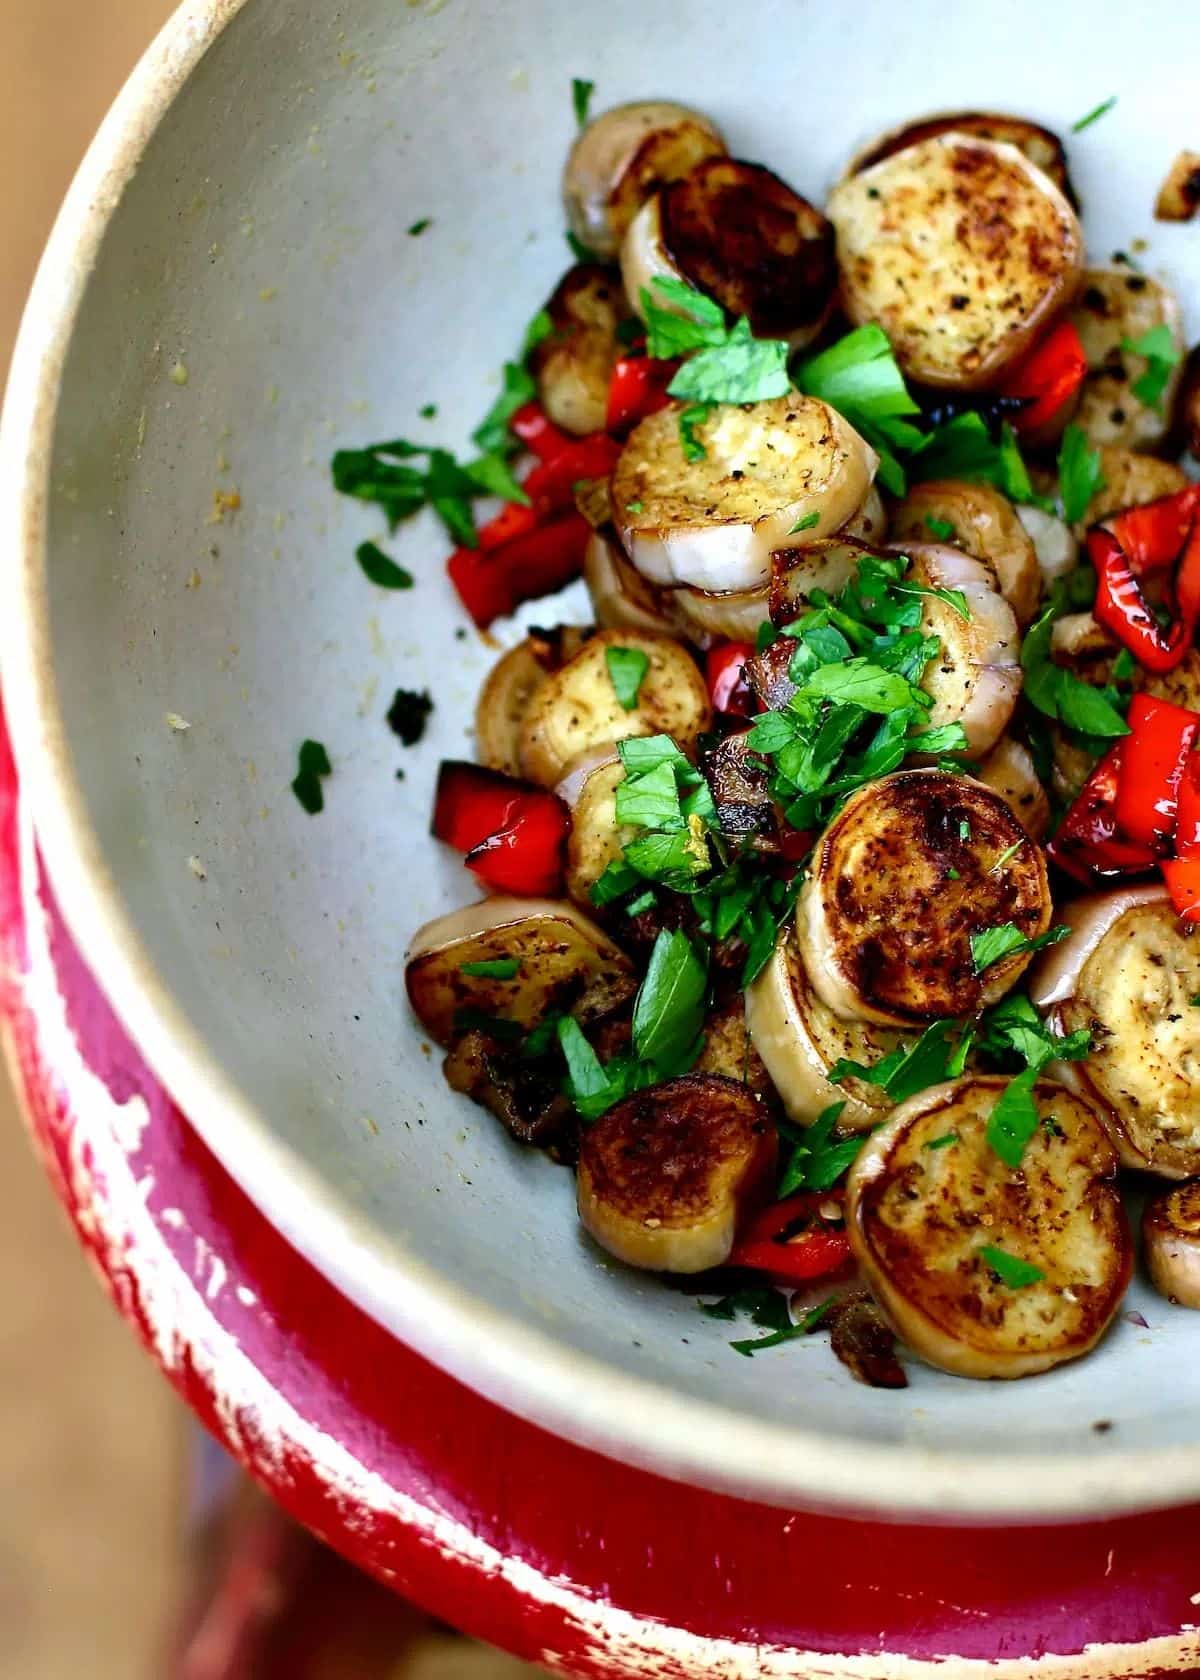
(1057, 692)
(1158, 347)
(1079, 474)
(492, 968)
(806, 523)
(860, 378)
(1013, 1119)
(790, 1333)
(692, 322)
(1012, 1271)
(859, 682)
(819, 1157)
(742, 369)
(965, 448)
(693, 449)
(626, 669)
(378, 569)
(313, 765)
(994, 944)
(650, 800)
(581, 98)
(937, 1055)
(943, 1142)
(1013, 1027)
(417, 228)
(669, 1012)
(1094, 115)
(940, 529)
(762, 1304)
(593, 1088)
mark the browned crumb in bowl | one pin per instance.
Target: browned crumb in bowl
(1179, 196)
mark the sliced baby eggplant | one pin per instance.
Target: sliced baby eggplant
(1182, 685)
(1130, 480)
(596, 837)
(961, 250)
(1040, 145)
(800, 1038)
(509, 688)
(911, 867)
(578, 708)
(621, 597)
(982, 1270)
(982, 523)
(1009, 771)
(1171, 1243)
(573, 364)
(1128, 974)
(1114, 305)
(525, 1096)
(564, 962)
(1054, 542)
(976, 677)
(768, 468)
(729, 1050)
(740, 235)
(668, 1175)
(622, 158)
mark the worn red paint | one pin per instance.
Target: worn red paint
(510, 1533)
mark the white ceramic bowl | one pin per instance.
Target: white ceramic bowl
(242, 217)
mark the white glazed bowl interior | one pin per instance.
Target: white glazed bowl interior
(261, 246)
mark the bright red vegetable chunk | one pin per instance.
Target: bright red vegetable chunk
(492, 582)
(1153, 757)
(725, 673)
(814, 1252)
(1051, 374)
(1089, 845)
(471, 802)
(551, 486)
(526, 855)
(1152, 536)
(1182, 876)
(1120, 605)
(538, 433)
(1187, 820)
(638, 387)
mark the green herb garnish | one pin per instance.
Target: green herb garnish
(492, 968)
(1012, 1271)
(378, 569)
(940, 1053)
(626, 669)
(860, 378)
(940, 529)
(943, 1142)
(994, 944)
(668, 1014)
(1094, 115)
(1057, 692)
(581, 99)
(1162, 357)
(819, 1156)
(790, 1333)
(1079, 474)
(418, 228)
(313, 765)
(806, 523)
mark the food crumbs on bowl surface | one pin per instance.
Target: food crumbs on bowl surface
(176, 723)
(842, 872)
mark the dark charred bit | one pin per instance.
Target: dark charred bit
(553, 648)
(524, 1095)
(737, 779)
(767, 675)
(864, 1343)
(408, 714)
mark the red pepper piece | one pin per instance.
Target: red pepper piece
(492, 582)
(1152, 536)
(1187, 821)
(817, 1251)
(725, 673)
(1182, 876)
(471, 802)
(1088, 845)
(526, 854)
(551, 486)
(1121, 607)
(538, 433)
(1153, 756)
(1051, 374)
(638, 387)
(513, 520)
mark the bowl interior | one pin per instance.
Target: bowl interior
(257, 302)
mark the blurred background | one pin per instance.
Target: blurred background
(107, 1569)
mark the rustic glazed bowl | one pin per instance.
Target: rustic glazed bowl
(231, 293)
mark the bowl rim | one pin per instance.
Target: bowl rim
(526, 1370)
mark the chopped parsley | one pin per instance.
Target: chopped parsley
(804, 1326)
(1162, 356)
(1094, 115)
(578, 249)
(940, 529)
(408, 714)
(1007, 855)
(693, 449)
(418, 228)
(428, 411)
(1079, 475)
(1011, 1271)
(1057, 692)
(492, 968)
(807, 523)
(383, 473)
(581, 99)
(1194, 1001)
(469, 1019)
(965, 448)
(378, 569)
(1011, 1029)
(819, 1156)
(313, 765)
(634, 507)
(943, 1142)
(860, 378)
(626, 669)
(940, 1053)
(994, 944)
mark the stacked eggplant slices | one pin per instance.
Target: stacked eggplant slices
(844, 873)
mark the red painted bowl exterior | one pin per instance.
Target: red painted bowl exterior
(557, 1554)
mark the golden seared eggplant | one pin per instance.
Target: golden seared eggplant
(983, 1270)
(1117, 306)
(1040, 145)
(564, 961)
(1128, 974)
(768, 469)
(1130, 480)
(961, 250)
(579, 708)
(596, 838)
(975, 678)
(981, 522)
(800, 1039)
(1171, 1243)
(1009, 771)
(740, 235)
(668, 1175)
(622, 158)
(911, 870)
(509, 689)
(621, 597)
(572, 366)
(729, 1050)
(1186, 434)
